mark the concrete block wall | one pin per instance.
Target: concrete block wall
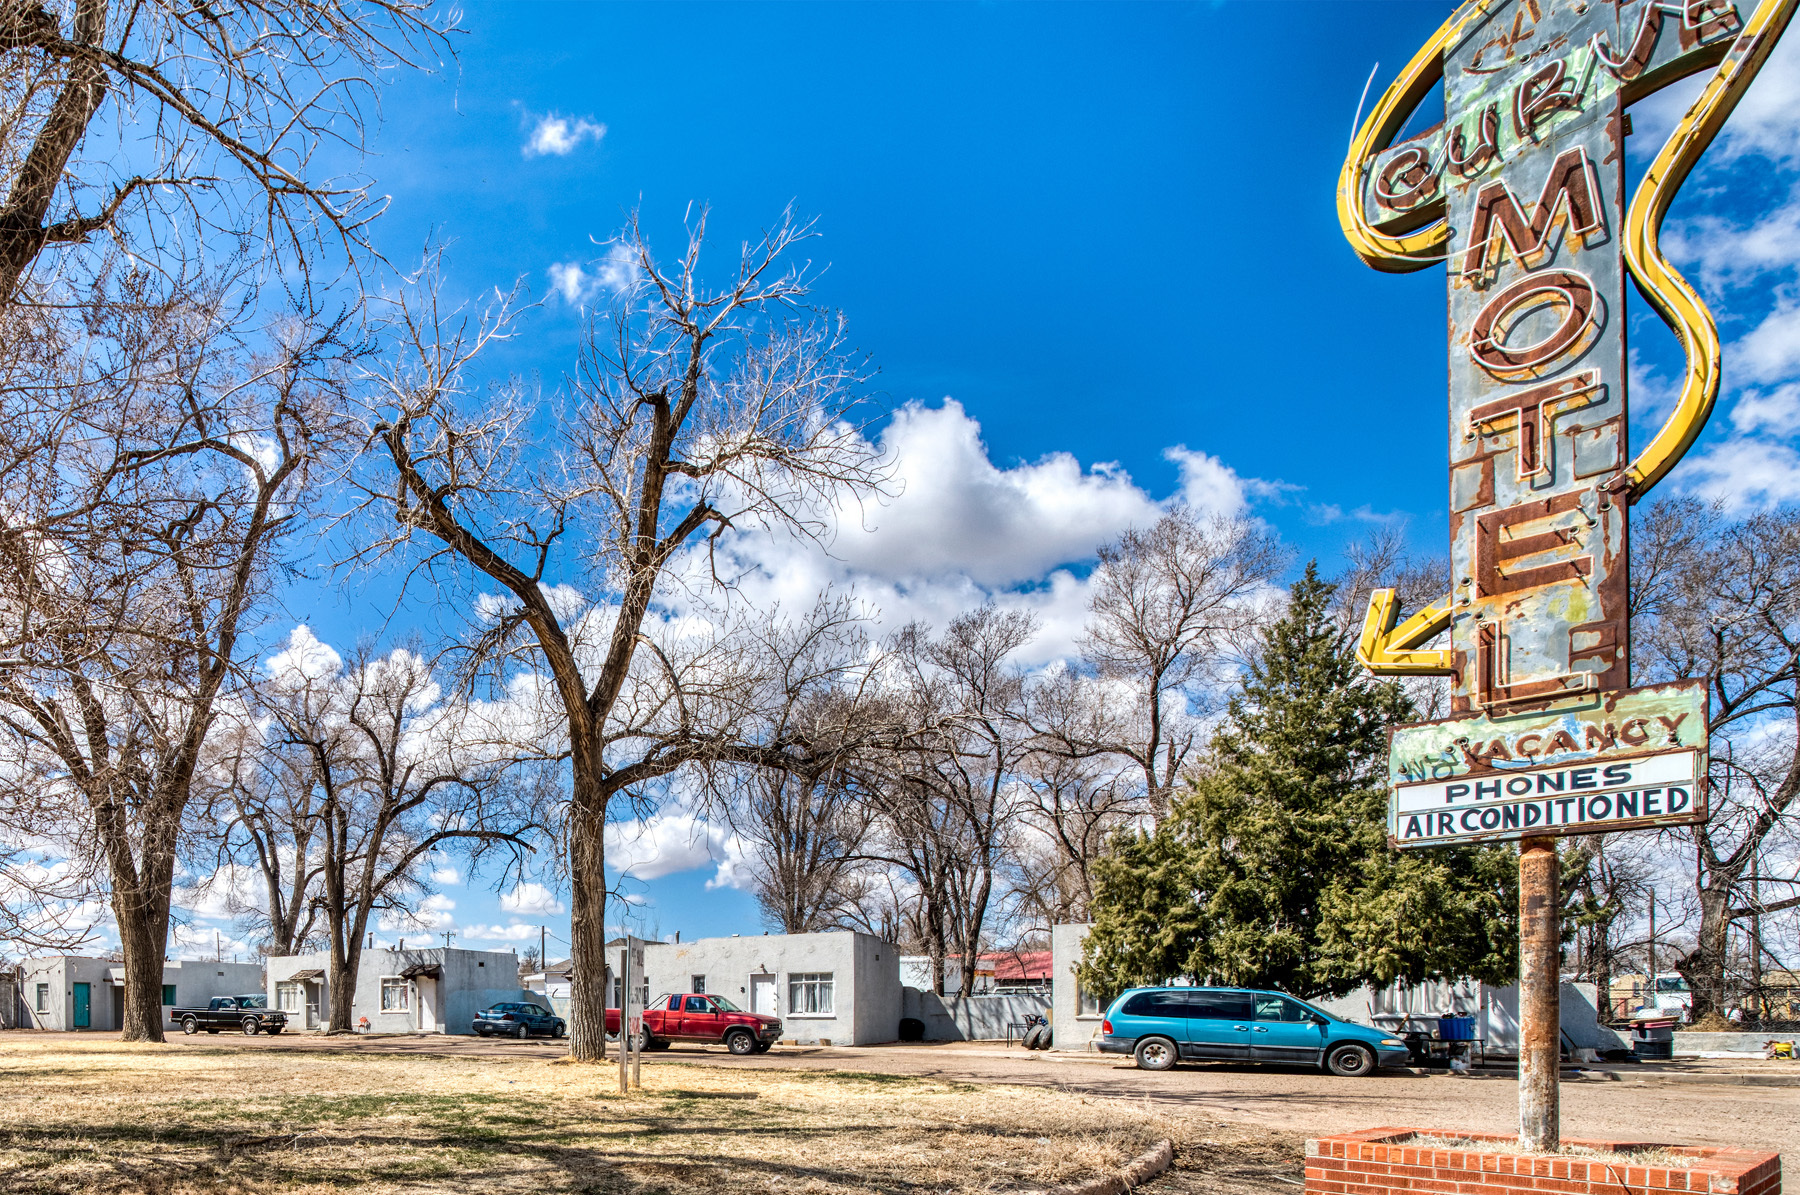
(469, 981)
(195, 982)
(971, 1018)
(865, 973)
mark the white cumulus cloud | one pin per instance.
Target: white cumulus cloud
(559, 136)
(529, 898)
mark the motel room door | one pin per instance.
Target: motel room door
(762, 995)
(82, 1014)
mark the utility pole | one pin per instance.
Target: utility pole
(543, 958)
(448, 934)
(1653, 1003)
(1756, 992)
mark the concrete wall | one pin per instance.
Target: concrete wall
(1070, 1027)
(865, 979)
(470, 981)
(1495, 1009)
(195, 982)
(1689, 1043)
(970, 1018)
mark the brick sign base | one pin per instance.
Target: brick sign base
(1382, 1162)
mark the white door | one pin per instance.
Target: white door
(762, 995)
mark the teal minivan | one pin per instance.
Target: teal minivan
(1159, 1025)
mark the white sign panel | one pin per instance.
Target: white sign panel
(1573, 798)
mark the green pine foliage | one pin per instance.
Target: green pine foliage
(1274, 870)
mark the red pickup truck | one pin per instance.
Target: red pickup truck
(706, 1019)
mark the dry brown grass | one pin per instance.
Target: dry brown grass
(95, 1115)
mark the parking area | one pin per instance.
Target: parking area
(1703, 1103)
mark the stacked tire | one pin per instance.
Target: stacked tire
(1037, 1037)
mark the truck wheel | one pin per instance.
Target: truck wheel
(739, 1041)
(190, 1025)
(1351, 1062)
(252, 1026)
(645, 1041)
(1155, 1054)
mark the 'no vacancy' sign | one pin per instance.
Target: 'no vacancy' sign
(1634, 759)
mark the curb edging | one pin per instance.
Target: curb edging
(1147, 1166)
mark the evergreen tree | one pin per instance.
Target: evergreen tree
(1274, 870)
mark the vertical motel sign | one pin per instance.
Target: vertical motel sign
(1518, 193)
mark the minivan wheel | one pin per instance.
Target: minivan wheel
(1155, 1054)
(739, 1041)
(1350, 1061)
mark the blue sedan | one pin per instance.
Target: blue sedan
(1157, 1026)
(517, 1020)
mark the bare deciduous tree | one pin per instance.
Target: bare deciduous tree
(1719, 600)
(1074, 795)
(1170, 607)
(947, 804)
(700, 411)
(397, 776)
(144, 523)
(192, 118)
(806, 822)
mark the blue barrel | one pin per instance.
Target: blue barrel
(1456, 1028)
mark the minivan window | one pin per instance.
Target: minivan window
(1280, 1008)
(1222, 1006)
(1158, 1004)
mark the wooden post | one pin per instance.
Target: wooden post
(626, 979)
(1540, 979)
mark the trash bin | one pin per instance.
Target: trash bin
(1653, 1041)
(1456, 1028)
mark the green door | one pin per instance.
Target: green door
(81, 1006)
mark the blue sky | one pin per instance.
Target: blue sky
(1092, 249)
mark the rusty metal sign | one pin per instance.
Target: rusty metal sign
(1519, 192)
(1634, 760)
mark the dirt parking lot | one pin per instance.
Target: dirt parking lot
(1690, 1104)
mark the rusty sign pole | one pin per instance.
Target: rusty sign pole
(1519, 191)
(1540, 984)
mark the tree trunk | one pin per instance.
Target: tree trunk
(341, 979)
(143, 920)
(587, 913)
(21, 220)
(1704, 966)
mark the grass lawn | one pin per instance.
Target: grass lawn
(97, 1115)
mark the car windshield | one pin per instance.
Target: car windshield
(1329, 1016)
(253, 1001)
(725, 1005)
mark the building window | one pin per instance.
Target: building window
(396, 994)
(698, 985)
(289, 998)
(169, 995)
(43, 997)
(1089, 1004)
(810, 994)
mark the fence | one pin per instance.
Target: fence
(969, 1018)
